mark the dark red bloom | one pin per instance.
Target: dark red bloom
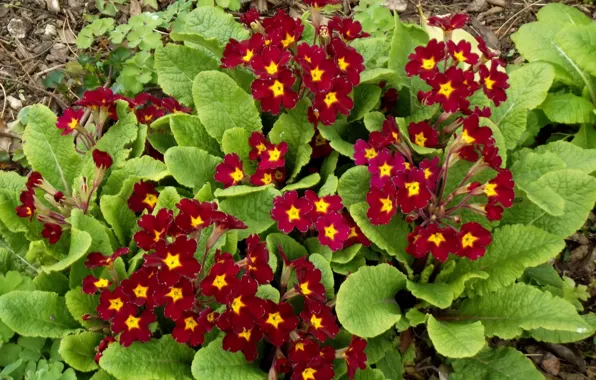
(423, 134)
(69, 121)
(273, 156)
(438, 241)
(387, 136)
(27, 207)
(355, 356)
(257, 260)
(229, 172)
(290, 211)
(229, 222)
(462, 52)
(244, 340)
(273, 93)
(315, 369)
(494, 82)
(279, 175)
(384, 166)
(52, 232)
(336, 99)
(35, 179)
(313, 116)
(303, 350)
(244, 308)
(348, 60)
(490, 157)
(363, 152)
(132, 327)
(488, 53)
(319, 70)
(241, 53)
(144, 197)
(382, 204)
(171, 105)
(187, 330)
(250, 16)
(356, 235)
(97, 259)
(449, 23)
(177, 298)
(195, 215)
(99, 98)
(473, 133)
(111, 303)
(320, 319)
(320, 3)
(309, 282)
(423, 62)
(493, 212)
(258, 143)
(431, 171)
(348, 28)
(149, 114)
(473, 240)
(141, 286)
(221, 281)
(270, 63)
(153, 228)
(288, 28)
(261, 177)
(413, 192)
(449, 90)
(323, 206)
(500, 189)
(174, 260)
(278, 321)
(207, 319)
(92, 285)
(59, 196)
(101, 159)
(105, 343)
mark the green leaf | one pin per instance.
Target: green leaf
(456, 340)
(365, 300)
(239, 190)
(543, 335)
(354, 185)
(188, 131)
(36, 313)
(586, 137)
(14, 280)
(376, 75)
(350, 267)
(221, 104)
(212, 362)
(504, 363)
(529, 87)
(253, 209)
(391, 365)
(346, 255)
(513, 249)
(115, 211)
(191, 166)
(334, 134)
(578, 42)
(373, 121)
(305, 183)
(369, 374)
(268, 292)
(52, 282)
(556, 13)
(390, 237)
(294, 128)
(162, 358)
(80, 241)
(176, 67)
(403, 127)
(406, 37)
(78, 351)
(79, 303)
(292, 249)
(568, 109)
(144, 167)
(329, 187)
(366, 96)
(509, 311)
(577, 189)
(47, 151)
(437, 294)
(100, 234)
(574, 156)
(235, 140)
(326, 273)
(168, 197)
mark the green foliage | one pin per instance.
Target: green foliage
(456, 340)
(213, 361)
(498, 364)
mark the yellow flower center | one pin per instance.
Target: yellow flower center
(220, 281)
(74, 123)
(385, 170)
(489, 83)
(248, 56)
(309, 374)
(387, 205)
(237, 175)
(274, 154)
(446, 89)
(330, 232)
(175, 294)
(343, 65)
(190, 324)
(272, 68)
(321, 206)
(101, 283)
(150, 200)
(278, 90)
(196, 221)
(157, 235)
(304, 288)
(315, 322)
(427, 173)
(468, 240)
(116, 304)
(172, 261)
(140, 291)
(413, 188)
(467, 138)
(267, 179)
(428, 64)
(370, 153)
(419, 139)
(353, 233)
(237, 304)
(288, 40)
(489, 189)
(274, 319)
(437, 238)
(245, 334)
(316, 74)
(299, 346)
(459, 55)
(293, 213)
(330, 99)
(132, 322)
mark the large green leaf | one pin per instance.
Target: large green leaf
(437, 294)
(253, 209)
(144, 167)
(294, 128)
(504, 363)
(573, 156)
(115, 211)
(544, 335)
(79, 304)
(188, 131)
(212, 362)
(36, 313)
(509, 311)
(78, 351)
(191, 166)
(365, 301)
(101, 239)
(162, 358)
(80, 241)
(47, 151)
(354, 185)
(11, 185)
(528, 88)
(557, 13)
(176, 67)
(568, 109)
(222, 104)
(366, 96)
(235, 140)
(406, 37)
(335, 135)
(579, 43)
(456, 340)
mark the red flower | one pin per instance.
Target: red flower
(462, 52)
(290, 211)
(388, 135)
(349, 61)
(279, 175)
(245, 340)
(320, 146)
(257, 260)
(431, 171)
(488, 54)
(309, 282)
(384, 166)
(250, 16)
(101, 159)
(59, 196)
(494, 82)
(323, 206)
(449, 90)
(105, 343)
(413, 192)
(258, 143)
(303, 350)
(389, 100)
(52, 232)
(438, 241)
(289, 29)
(356, 235)
(133, 328)
(315, 369)
(187, 330)
(97, 259)
(229, 222)
(321, 321)
(363, 152)
(27, 207)
(174, 260)
(273, 156)
(355, 356)
(473, 133)
(229, 172)
(278, 321)
(382, 204)
(149, 114)
(91, 284)
(144, 197)
(319, 70)
(490, 157)
(321, 3)
(195, 215)
(499, 189)
(140, 287)
(473, 239)
(273, 93)
(111, 303)
(243, 307)
(493, 212)
(313, 116)
(241, 53)
(449, 23)
(270, 63)
(348, 28)
(423, 134)
(423, 62)
(261, 177)
(178, 298)
(221, 280)
(173, 106)
(153, 228)
(207, 319)
(69, 121)
(336, 99)
(98, 98)
(35, 179)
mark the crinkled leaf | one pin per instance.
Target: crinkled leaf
(168, 197)
(212, 362)
(354, 185)
(568, 109)
(456, 340)
(574, 156)
(549, 336)
(437, 294)
(188, 131)
(101, 239)
(115, 211)
(305, 183)
(78, 351)
(79, 303)
(329, 187)
(578, 42)
(191, 166)
(144, 167)
(366, 96)
(504, 363)
(80, 241)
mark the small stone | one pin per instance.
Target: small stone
(14, 103)
(397, 5)
(477, 6)
(49, 32)
(18, 28)
(551, 364)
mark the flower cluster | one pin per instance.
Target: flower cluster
(143, 197)
(326, 214)
(326, 71)
(56, 209)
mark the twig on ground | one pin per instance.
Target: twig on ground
(56, 98)
(48, 70)
(5, 100)
(515, 17)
